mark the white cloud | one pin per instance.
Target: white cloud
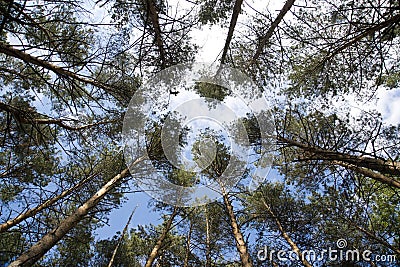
(211, 41)
(389, 105)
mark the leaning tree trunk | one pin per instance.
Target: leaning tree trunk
(188, 243)
(208, 245)
(154, 252)
(32, 212)
(292, 244)
(34, 253)
(121, 238)
(240, 243)
(383, 171)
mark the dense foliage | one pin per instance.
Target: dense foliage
(67, 78)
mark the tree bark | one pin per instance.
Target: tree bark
(32, 212)
(9, 50)
(240, 244)
(378, 239)
(208, 246)
(371, 167)
(371, 174)
(157, 30)
(160, 241)
(34, 253)
(264, 39)
(235, 14)
(360, 36)
(188, 242)
(371, 235)
(27, 117)
(292, 244)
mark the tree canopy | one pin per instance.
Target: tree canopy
(329, 70)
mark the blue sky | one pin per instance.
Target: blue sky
(119, 217)
(211, 40)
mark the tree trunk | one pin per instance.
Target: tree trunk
(292, 244)
(208, 249)
(11, 51)
(35, 118)
(160, 241)
(34, 253)
(32, 212)
(368, 233)
(371, 167)
(264, 39)
(368, 173)
(376, 238)
(121, 238)
(240, 244)
(188, 241)
(236, 10)
(157, 30)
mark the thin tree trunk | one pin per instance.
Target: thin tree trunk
(160, 241)
(292, 244)
(367, 166)
(264, 39)
(11, 51)
(235, 14)
(32, 212)
(372, 236)
(390, 22)
(240, 244)
(34, 253)
(378, 239)
(26, 117)
(379, 165)
(208, 249)
(157, 30)
(188, 241)
(371, 174)
(121, 238)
